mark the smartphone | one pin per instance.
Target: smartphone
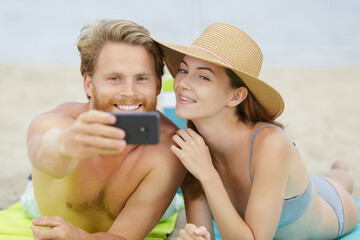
(140, 128)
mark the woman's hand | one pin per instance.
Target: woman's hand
(191, 231)
(192, 152)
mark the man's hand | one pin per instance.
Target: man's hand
(191, 231)
(90, 135)
(56, 143)
(57, 229)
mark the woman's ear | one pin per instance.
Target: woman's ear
(239, 95)
(88, 85)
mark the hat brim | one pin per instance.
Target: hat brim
(264, 93)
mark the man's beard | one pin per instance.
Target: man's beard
(109, 105)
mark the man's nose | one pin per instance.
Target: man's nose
(129, 89)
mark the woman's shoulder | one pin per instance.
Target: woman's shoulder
(272, 152)
(267, 131)
(270, 138)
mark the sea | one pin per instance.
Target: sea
(323, 33)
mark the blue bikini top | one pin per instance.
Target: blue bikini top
(294, 207)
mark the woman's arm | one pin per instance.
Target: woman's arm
(228, 221)
(267, 193)
(198, 212)
(195, 156)
(198, 216)
(271, 162)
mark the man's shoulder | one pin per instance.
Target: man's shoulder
(67, 112)
(168, 128)
(161, 152)
(70, 109)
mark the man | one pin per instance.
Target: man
(84, 173)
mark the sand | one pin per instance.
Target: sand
(26, 91)
(321, 115)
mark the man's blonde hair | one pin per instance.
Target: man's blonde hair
(94, 37)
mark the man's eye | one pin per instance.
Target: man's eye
(141, 78)
(114, 79)
(182, 71)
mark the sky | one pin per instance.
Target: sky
(291, 33)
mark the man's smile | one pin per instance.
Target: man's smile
(128, 107)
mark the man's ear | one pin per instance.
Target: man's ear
(158, 86)
(88, 85)
(239, 95)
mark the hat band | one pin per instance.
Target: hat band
(214, 54)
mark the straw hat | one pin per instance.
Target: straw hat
(227, 46)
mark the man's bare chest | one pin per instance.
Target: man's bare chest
(102, 190)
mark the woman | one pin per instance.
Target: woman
(245, 172)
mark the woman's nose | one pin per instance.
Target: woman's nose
(182, 82)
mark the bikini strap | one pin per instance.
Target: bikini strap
(252, 143)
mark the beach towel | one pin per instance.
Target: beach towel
(354, 235)
(15, 225)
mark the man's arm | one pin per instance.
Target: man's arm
(57, 142)
(59, 229)
(148, 203)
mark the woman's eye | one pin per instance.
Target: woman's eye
(204, 78)
(182, 71)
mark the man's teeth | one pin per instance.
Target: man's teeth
(128, 107)
(187, 99)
